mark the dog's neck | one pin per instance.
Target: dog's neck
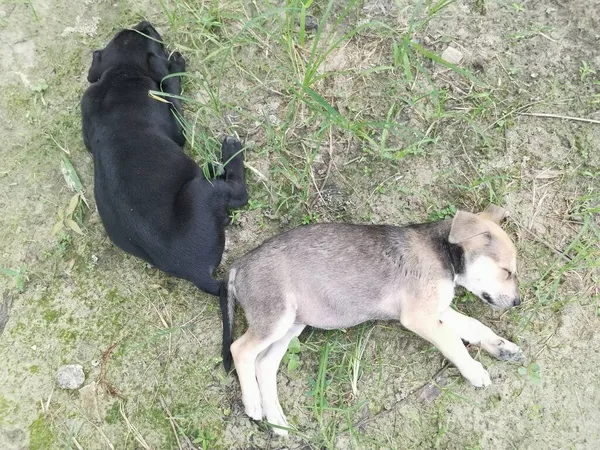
(127, 72)
(454, 253)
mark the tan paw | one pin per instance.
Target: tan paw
(477, 375)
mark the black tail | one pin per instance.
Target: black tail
(208, 284)
(227, 312)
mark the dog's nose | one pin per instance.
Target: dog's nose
(517, 301)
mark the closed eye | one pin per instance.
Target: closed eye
(509, 274)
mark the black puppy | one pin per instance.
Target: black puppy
(154, 200)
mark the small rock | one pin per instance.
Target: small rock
(311, 23)
(430, 393)
(70, 376)
(478, 64)
(89, 402)
(452, 55)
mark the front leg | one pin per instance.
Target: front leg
(476, 333)
(447, 341)
(160, 70)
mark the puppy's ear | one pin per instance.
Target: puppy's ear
(494, 213)
(95, 71)
(468, 228)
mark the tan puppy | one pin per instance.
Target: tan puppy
(339, 275)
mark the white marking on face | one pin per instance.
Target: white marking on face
(490, 282)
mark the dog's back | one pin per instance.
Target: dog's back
(330, 272)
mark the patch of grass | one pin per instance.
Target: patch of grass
(18, 275)
(582, 256)
(51, 315)
(7, 409)
(532, 372)
(445, 213)
(41, 436)
(113, 414)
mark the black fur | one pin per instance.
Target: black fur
(227, 326)
(451, 255)
(153, 199)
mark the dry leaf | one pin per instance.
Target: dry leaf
(57, 227)
(73, 226)
(73, 204)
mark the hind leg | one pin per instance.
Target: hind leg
(233, 158)
(245, 352)
(160, 69)
(266, 372)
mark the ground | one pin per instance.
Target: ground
(348, 113)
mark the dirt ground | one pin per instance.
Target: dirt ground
(354, 117)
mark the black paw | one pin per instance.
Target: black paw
(231, 148)
(177, 62)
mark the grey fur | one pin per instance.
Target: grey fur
(340, 275)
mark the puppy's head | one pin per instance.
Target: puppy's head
(490, 269)
(130, 46)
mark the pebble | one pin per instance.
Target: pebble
(88, 396)
(70, 376)
(311, 23)
(452, 55)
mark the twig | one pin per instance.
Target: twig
(541, 241)
(559, 116)
(544, 345)
(510, 113)
(136, 434)
(98, 429)
(48, 401)
(536, 208)
(468, 157)
(58, 145)
(362, 422)
(76, 442)
(103, 369)
(547, 37)
(175, 425)
(172, 422)
(320, 190)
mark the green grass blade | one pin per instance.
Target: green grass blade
(435, 58)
